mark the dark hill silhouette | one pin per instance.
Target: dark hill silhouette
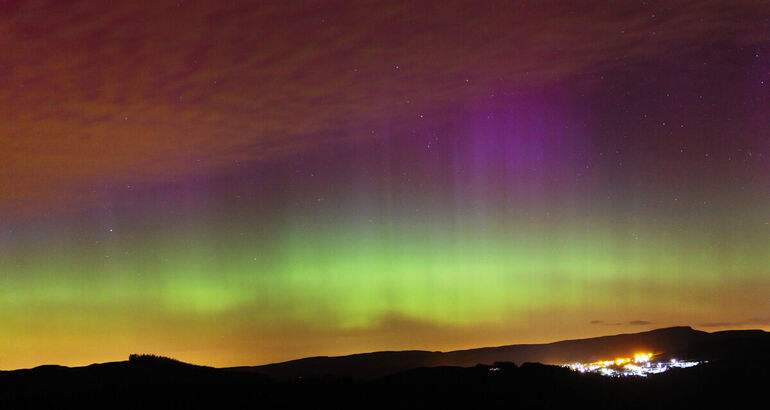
(735, 375)
(371, 365)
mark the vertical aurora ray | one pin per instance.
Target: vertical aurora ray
(334, 190)
(488, 246)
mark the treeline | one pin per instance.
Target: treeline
(143, 358)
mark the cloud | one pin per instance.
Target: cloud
(603, 323)
(639, 322)
(762, 321)
(718, 324)
(258, 81)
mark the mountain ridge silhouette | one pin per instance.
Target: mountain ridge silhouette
(736, 373)
(376, 364)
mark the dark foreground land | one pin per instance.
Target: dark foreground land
(736, 376)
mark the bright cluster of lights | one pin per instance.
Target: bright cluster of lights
(640, 365)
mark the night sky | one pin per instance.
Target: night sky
(237, 183)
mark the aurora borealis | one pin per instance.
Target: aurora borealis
(237, 183)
